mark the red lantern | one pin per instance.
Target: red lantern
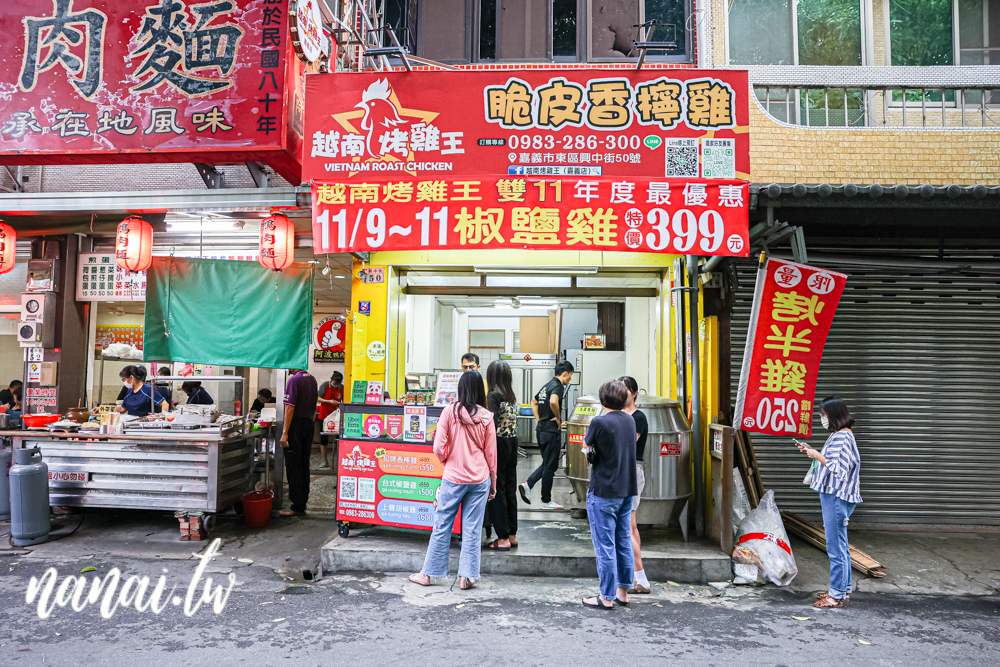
(134, 244)
(277, 241)
(8, 248)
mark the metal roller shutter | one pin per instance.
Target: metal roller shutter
(916, 356)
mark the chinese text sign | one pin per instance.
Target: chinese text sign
(562, 213)
(793, 310)
(690, 124)
(147, 80)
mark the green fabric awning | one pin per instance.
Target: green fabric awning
(213, 311)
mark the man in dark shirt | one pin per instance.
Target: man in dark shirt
(297, 435)
(7, 395)
(547, 406)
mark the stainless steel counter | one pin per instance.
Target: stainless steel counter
(183, 471)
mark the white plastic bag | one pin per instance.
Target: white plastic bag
(762, 541)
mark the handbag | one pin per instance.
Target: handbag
(811, 475)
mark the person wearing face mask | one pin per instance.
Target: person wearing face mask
(138, 395)
(836, 475)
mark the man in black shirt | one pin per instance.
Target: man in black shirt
(7, 395)
(547, 405)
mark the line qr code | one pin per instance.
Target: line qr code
(348, 488)
(366, 490)
(682, 161)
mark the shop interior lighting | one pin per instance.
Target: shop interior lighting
(549, 271)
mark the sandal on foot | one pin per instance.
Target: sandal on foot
(638, 588)
(598, 604)
(826, 594)
(469, 583)
(495, 546)
(622, 603)
(417, 574)
(828, 603)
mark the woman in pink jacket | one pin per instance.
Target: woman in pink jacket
(466, 443)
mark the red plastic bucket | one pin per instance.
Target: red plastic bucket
(257, 509)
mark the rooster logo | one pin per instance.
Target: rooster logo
(380, 113)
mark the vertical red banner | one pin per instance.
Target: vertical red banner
(793, 309)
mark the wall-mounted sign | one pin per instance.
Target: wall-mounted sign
(365, 308)
(328, 339)
(99, 279)
(306, 23)
(370, 275)
(376, 350)
(97, 81)
(681, 123)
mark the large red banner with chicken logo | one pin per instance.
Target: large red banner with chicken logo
(792, 313)
(678, 123)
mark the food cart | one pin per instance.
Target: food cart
(387, 474)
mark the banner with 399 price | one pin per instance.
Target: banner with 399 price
(556, 213)
(791, 316)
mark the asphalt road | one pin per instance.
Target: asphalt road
(380, 620)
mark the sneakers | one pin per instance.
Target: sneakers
(550, 506)
(525, 492)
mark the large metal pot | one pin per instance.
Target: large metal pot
(577, 468)
(4, 420)
(666, 462)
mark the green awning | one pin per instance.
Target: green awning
(228, 313)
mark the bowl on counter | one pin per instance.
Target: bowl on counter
(34, 421)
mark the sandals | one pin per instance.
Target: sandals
(638, 588)
(495, 546)
(622, 603)
(467, 584)
(828, 603)
(598, 604)
(826, 594)
(417, 574)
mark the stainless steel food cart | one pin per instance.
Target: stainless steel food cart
(186, 470)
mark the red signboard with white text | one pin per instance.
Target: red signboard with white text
(95, 81)
(556, 213)
(677, 123)
(793, 310)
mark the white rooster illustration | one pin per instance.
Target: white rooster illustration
(379, 112)
(331, 338)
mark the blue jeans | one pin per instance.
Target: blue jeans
(836, 515)
(472, 498)
(611, 531)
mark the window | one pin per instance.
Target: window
(921, 32)
(783, 32)
(979, 32)
(488, 344)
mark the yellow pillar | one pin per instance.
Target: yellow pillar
(366, 344)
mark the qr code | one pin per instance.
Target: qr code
(718, 158)
(348, 488)
(681, 157)
(366, 490)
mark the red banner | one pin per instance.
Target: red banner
(627, 214)
(793, 309)
(150, 81)
(679, 123)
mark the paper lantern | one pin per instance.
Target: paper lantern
(277, 241)
(8, 248)
(134, 244)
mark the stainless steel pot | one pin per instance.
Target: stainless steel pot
(577, 468)
(4, 420)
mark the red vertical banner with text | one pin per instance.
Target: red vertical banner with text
(793, 309)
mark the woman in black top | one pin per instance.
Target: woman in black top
(641, 583)
(610, 444)
(503, 404)
(264, 396)
(196, 394)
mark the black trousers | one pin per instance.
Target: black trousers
(300, 437)
(550, 445)
(502, 510)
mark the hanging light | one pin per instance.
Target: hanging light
(8, 248)
(277, 241)
(134, 244)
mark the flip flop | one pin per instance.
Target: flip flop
(420, 583)
(495, 546)
(598, 605)
(470, 583)
(621, 603)
(287, 513)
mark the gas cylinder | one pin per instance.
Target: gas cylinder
(29, 498)
(5, 454)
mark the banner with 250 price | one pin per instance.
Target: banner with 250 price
(560, 213)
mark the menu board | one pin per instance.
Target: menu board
(100, 279)
(387, 473)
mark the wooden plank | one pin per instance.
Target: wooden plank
(810, 533)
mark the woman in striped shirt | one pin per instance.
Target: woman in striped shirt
(837, 479)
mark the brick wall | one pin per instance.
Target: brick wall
(785, 154)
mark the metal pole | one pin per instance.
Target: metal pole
(699, 464)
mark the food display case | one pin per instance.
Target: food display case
(387, 473)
